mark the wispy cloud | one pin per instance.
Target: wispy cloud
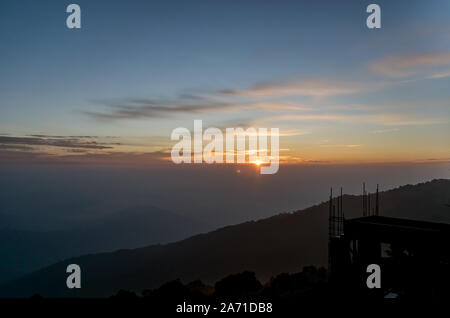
(76, 149)
(14, 147)
(303, 87)
(383, 131)
(411, 64)
(146, 108)
(443, 74)
(60, 137)
(77, 156)
(386, 119)
(341, 145)
(185, 104)
(53, 142)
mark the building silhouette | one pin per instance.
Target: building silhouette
(414, 256)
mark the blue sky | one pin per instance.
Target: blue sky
(311, 68)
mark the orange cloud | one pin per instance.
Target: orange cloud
(386, 119)
(408, 65)
(311, 87)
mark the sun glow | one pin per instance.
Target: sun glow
(257, 162)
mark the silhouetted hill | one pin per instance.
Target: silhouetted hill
(25, 251)
(283, 243)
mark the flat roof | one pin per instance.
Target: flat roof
(400, 222)
(398, 228)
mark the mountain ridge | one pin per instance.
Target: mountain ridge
(25, 251)
(282, 243)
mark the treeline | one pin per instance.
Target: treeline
(310, 283)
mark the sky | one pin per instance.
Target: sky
(114, 90)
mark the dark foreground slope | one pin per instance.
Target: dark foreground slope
(283, 243)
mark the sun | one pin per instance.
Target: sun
(257, 162)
